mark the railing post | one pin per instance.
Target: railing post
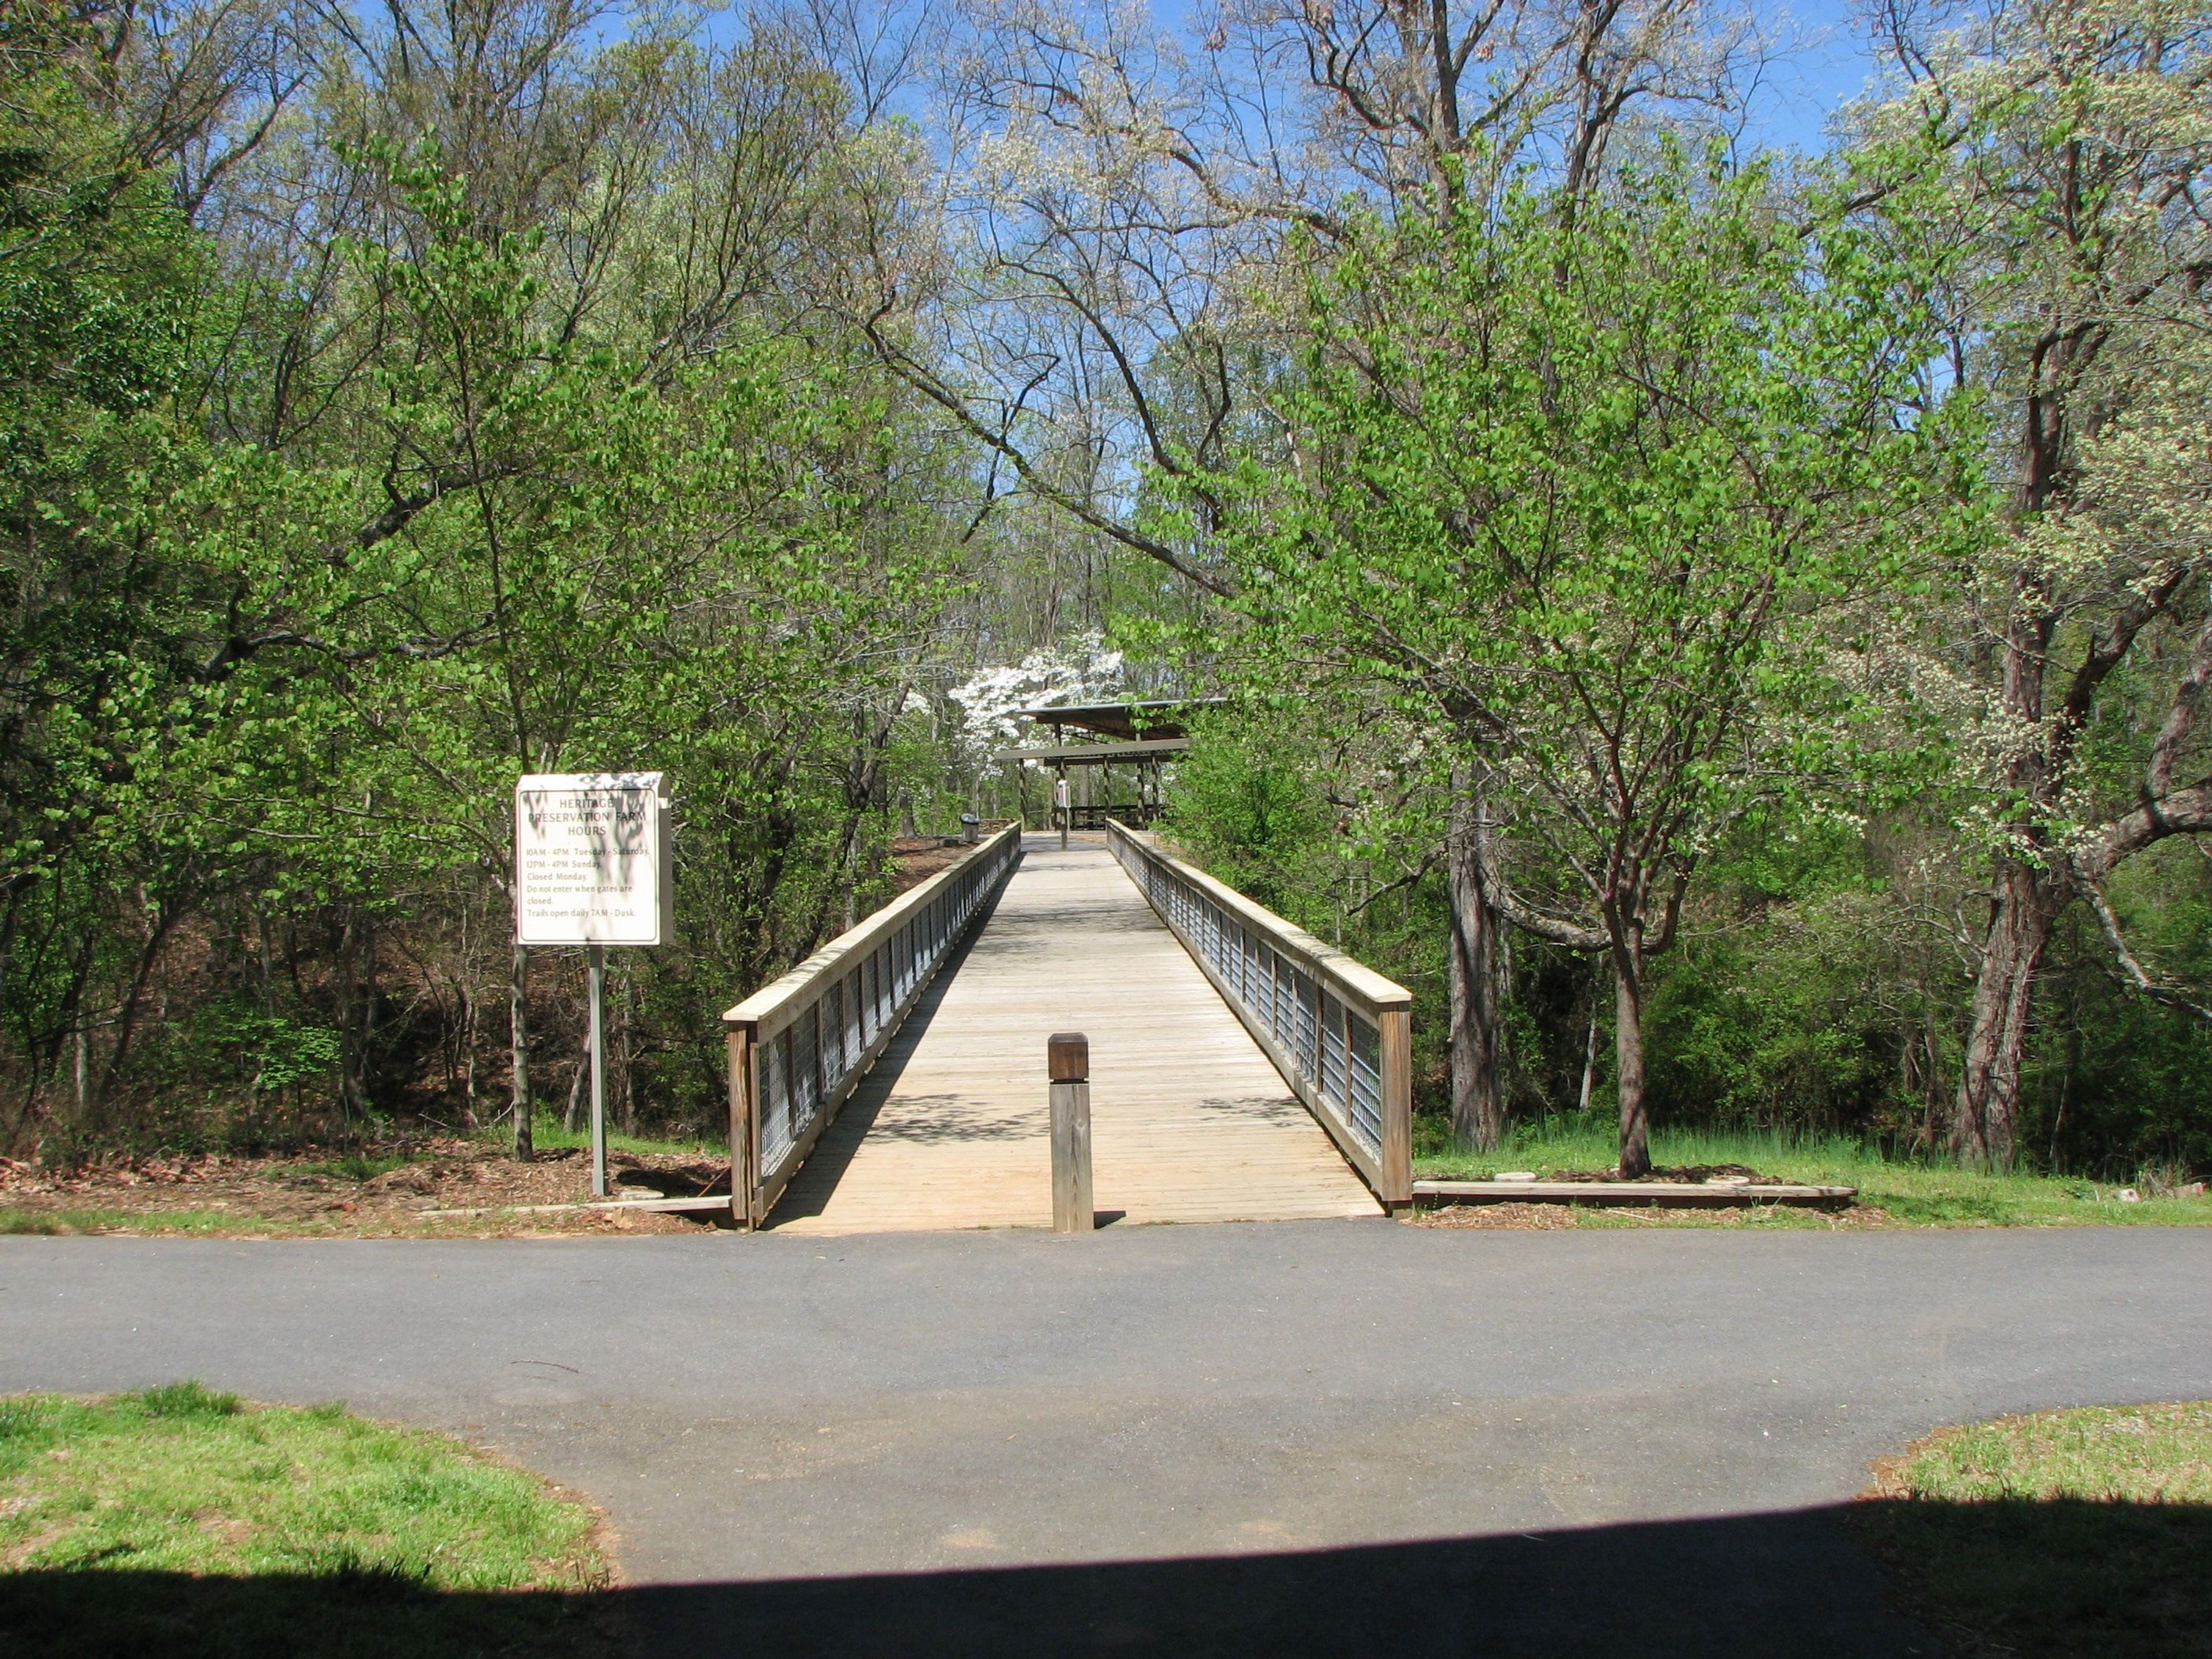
(1395, 1027)
(1067, 1061)
(744, 1131)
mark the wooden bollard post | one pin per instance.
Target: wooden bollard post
(1067, 1059)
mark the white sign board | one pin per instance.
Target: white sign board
(591, 859)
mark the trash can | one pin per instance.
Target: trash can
(969, 823)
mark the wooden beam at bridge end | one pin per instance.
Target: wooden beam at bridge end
(744, 1131)
(1395, 1027)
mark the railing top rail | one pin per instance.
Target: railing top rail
(1350, 974)
(777, 1004)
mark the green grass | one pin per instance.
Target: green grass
(1923, 1193)
(2086, 1531)
(188, 1222)
(547, 1134)
(182, 1522)
(353, 1166)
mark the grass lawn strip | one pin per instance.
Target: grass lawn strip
(2084, 1531)
(179, 1521)
(1891, 1191)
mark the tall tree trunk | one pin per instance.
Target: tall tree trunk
(349, 1017)
(518, 1005)
(576, 1086)
(1478, 975)
(367, 1070)
(1628, 1052)
(625, 988)
(468, 1013)
(268, 967)
(1590, 1057)
(126, 1018)
(1985, 1119)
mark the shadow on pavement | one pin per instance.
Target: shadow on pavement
(1744, 1585)
(1789, 1584)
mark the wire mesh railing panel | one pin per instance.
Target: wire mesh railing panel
(1363, 1082)
(1318, 1012)
(806, 1070)
(776, 1097)
(1331, 1050)
(1302, 1033)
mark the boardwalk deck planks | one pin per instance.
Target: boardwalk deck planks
(1189, 1122)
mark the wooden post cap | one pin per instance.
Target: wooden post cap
(1067, 1056)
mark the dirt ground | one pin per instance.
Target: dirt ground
(1551, 1217)
(437, 1186)
(400, 1187)
(1520, 1218)
(449, 1187)
(921, 857)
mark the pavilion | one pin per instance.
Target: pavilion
(1140, 736)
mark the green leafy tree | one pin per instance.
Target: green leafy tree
(2076, 660)
(1565, 484)
(99, 272)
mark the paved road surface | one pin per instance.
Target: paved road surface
(1283, 1438)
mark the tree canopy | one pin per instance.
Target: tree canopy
(1727, 625)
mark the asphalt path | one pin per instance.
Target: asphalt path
(1283, 1438)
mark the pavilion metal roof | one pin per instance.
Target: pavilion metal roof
(1152, 718)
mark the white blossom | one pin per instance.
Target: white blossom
(1079, 670)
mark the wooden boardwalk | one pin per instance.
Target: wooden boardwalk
(1189, 1122)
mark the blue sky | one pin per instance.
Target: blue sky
(1829, 68)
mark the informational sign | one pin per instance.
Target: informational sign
(591, 859)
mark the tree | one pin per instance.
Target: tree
(1113, 207)
(99, 271)
(489, 425)
(1567, 483)
(2078, 155)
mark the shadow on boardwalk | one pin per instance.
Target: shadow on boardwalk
(841, 1141)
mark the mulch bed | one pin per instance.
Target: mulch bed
(1500, 1218)
(1510, 1217)
(1680, 1172)
(282, 1192)
(921, 857)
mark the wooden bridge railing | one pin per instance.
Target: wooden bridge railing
(1340, 1034)
(798, 1046)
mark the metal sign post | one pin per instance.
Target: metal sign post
(596, 975)
(591, 868)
